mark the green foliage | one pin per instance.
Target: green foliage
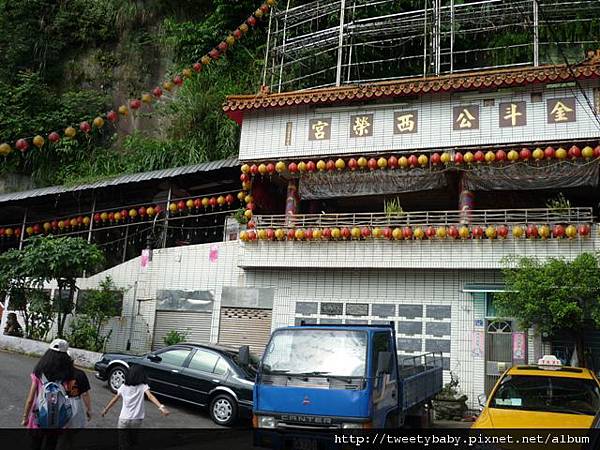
(49, 258)
(559, 204)
(239, 216)
(393, 208)
(556, 295)
(174, 337)
(98, 306)
(450, 390)
(38, 315)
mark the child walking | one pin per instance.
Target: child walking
(132, 392)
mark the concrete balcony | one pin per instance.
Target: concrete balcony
(485, 247)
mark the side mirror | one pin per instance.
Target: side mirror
(384, 362)
(244, 355)
(482, 399)
(154, 358)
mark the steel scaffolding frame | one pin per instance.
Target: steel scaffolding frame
(323, 43)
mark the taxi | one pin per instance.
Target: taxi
(546, 395)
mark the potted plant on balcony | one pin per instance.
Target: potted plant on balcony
(448, 404)
(560, 207)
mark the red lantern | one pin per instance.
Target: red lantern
(213, 202)
(37, 229)
(222, 46)
(54, 137)
(500, 155)
(453, 232)
(237, 34)
(178, 80)
(574, 152)
(430, 232)
(135, 104)
(197, 67)
(435, 159)
(558, 231)
(97, 217)
(413, 161)
(525, 154)
(393, 162)
(532, 231)
(79, 220)
(253, 169)
(308, 235)
(583, 230)
(372, 164)
(252, 235)
(502, 231)
(214, 53)
(352, 164)
(327, 233)
(597, 152)
(330, 166)
(311, 166)
(291, 234)
(181, 205)
(479, 156)
(142, 211)
(270, 168)
(229, 199)
(549, 152)
(251, 21)
(365, 232)
(17, 232)
(345, 232)
(477, 232)
(54, 224)
(22, 145)
(270, 234)
(293, 167)
(407, 233)
(85, 127)
(458, 158)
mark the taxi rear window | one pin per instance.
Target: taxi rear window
(548, 394)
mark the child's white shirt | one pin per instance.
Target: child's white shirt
(133, 401)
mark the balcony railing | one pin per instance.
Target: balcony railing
(429, 218)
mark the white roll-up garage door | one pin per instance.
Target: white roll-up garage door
(245, 326)
(196, 325)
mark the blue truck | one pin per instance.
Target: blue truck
(325, 377)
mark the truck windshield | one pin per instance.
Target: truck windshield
(549, 394)
(315, 352)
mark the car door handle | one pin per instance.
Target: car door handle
(174, 370)
(216, 381)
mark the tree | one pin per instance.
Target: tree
(555, 295)
(46, 259)
(93, 311)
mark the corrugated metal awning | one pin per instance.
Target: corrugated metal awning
(125, 179)
(484, 287)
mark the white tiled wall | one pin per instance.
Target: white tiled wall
(263, 132)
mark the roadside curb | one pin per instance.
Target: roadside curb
(82, 358)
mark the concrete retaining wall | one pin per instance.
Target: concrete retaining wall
(82, 358)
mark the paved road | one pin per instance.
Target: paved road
(15, 381)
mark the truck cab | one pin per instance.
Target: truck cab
(340, 377)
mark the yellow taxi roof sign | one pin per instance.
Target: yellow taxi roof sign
(549, 360)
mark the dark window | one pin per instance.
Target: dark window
(204, 361)
(381, 343)
(175, 357)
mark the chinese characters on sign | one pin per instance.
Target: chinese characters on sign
(361, 126)
(519, 347)
(477, 340)
(405, 122)
(466, 117)
(320, 129)
(561, 110)
(513, 114)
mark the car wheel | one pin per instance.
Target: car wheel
(223, 410)
(116, 377)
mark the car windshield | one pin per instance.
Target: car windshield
(317, 352)
(548, 394)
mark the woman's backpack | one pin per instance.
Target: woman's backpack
(53, 405)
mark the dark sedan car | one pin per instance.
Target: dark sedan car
(216, 377)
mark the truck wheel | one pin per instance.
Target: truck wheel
(116, 377)
(223, 410)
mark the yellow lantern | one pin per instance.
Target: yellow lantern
(317, 234)
(571, 231)
(262, 169)
(246, 168)
(538, 154)
(441, 232)
(355, 232)
(491, 232)
(490, 156)
(38, 141)
(220, 200)
(377, 233)
(362, 162)
(279, 234)
(279, 167)
(301, 167)
(561, 153)
(336, 233)
(518, 231)
(173, 207)
(262, 235)
(469, 157)
(98, 122)
(382, 163)
(205, 202)
(403, 162)
(464, 232)
(248, 214)
(70, 132)
(5, 149)
(422, 160)
(244, 236)
(544, 231)
(340, 164)
(299, 234)
(513, 155)
(419, 233)
(321, 165)
(123, 110)
(587, 152)
(397, 234)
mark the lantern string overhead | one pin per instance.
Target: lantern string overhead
(169, 86)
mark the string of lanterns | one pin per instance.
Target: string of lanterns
(85, 127)
(413, 161)
(464, 232)
(122, 216)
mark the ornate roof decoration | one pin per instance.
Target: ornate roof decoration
(235, 105)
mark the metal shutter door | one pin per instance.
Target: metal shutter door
(195, 324)
(245, 326)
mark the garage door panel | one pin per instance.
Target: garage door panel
(245, 326)
(196, 326)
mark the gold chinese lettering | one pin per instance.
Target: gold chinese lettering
(405, 123)
(465, 119)
(361, 126)
(512, 113)
(560, 112)
(319, 129)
